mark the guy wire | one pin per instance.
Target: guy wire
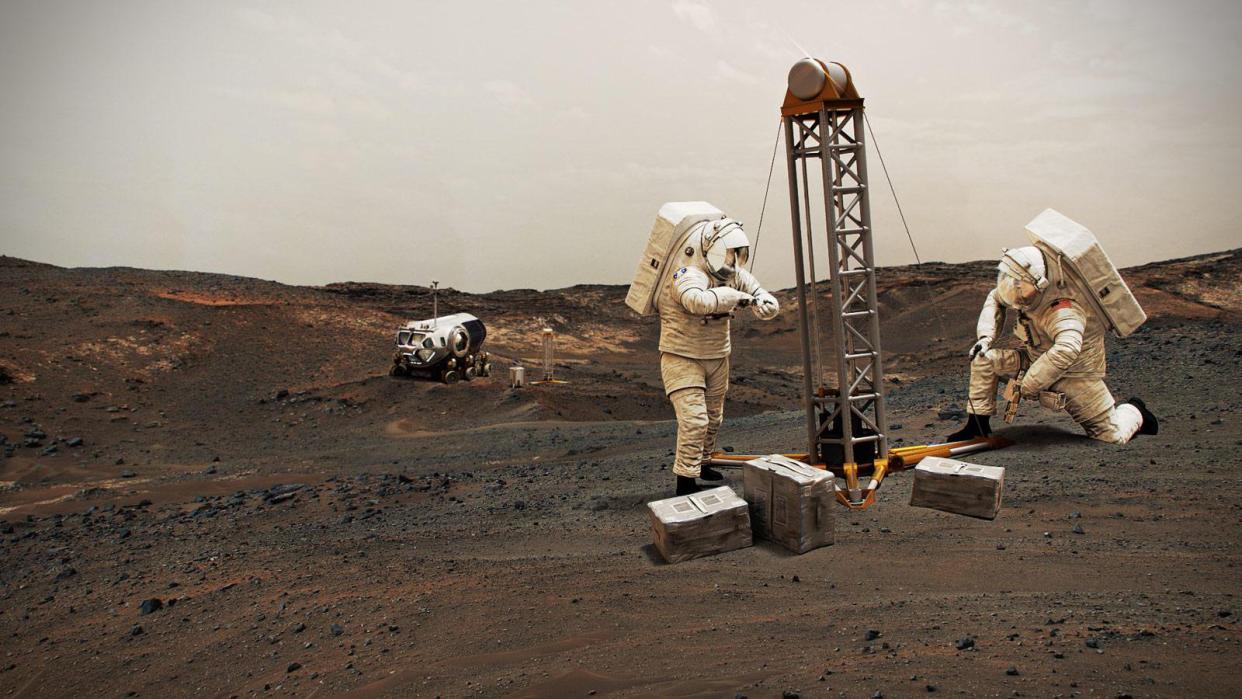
(935, 310)
(754, 249)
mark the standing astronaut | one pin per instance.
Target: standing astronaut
(1062, 354)
(710, 281)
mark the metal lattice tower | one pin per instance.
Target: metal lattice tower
(844, 400)
(549, 355)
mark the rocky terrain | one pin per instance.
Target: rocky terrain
(210, 487)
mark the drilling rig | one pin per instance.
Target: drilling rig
(824, 126)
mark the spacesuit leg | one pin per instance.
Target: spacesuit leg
(1091, 405)
(986, 370)
(685, 381)
(717, 371)
(692, 420)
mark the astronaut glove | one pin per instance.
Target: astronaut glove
(981, 347)
(728, 298)
(766, 306)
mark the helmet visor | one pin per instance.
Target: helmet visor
(1016, 293)
(726, 250)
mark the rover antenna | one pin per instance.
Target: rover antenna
(435, 303)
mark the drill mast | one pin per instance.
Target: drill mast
(844, 400)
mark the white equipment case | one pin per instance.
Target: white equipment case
(673, 225)
(791, 503)
(1076, 253)
(958, 487)
(703, 524)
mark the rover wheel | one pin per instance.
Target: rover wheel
(469, 373)
(396, 370)
(450, 376)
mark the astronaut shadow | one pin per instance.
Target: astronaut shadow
(768, 548)
(653, 555)
(1041, 437)
(733, 479)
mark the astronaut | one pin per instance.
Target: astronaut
(1062, 355)
(695, 309)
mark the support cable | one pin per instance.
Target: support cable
(935, 310)
(754, 248)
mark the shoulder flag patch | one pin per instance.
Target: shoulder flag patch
(679, 272)
(1061, 303)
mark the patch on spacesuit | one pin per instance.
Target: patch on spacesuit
(679, 272)
(1061, 303)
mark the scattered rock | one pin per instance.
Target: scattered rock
(1012, 671)
(952, 412)
(871, 635)
(293, 667)
(964, 643)
(336, 629)
(128, 474)
(150, 605)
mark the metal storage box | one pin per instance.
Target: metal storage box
(958, 487)
(791, 503)
(705, 523)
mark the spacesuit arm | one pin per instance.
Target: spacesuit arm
(991, 318)
(765, 306)
(693, 290)
(1067, 326)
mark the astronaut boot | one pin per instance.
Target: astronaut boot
(686, 485)
(1150, 424)
(976, 426)
(708, 473)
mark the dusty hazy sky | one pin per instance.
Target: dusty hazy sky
(529, 144)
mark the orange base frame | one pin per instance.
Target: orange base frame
(899, 459)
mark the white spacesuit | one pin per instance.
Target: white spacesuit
(1062, 354)
(709, 283)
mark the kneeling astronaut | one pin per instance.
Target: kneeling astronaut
(1062, 353)
(708, 284)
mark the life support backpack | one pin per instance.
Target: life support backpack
(1073, 256)
(674, 224)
